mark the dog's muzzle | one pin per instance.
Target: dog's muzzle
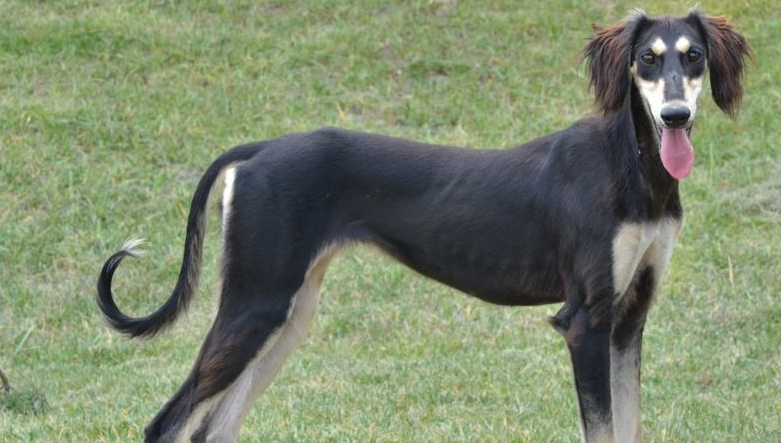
(675, 116)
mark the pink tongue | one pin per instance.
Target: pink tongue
(677, 153)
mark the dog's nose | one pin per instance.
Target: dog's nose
(675, 116)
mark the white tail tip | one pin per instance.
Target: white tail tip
(131, 247)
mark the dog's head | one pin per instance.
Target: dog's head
(666, 59)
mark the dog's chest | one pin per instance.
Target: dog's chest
(640, 245)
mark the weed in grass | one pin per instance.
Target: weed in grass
(24, 402)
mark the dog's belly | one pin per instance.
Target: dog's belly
(499, 265)
(490, 278)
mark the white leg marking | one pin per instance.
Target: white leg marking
(683, 44)
(604, 434)
(190, 426)
(658, 47)
(227, 417)
(625, 393)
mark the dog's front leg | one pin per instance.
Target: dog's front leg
(586, 329)
(625, 352)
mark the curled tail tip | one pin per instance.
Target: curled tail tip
(131, 247)
(111, 313)
(132, 327)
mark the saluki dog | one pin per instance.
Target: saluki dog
(587, 216)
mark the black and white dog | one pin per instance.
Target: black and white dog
(587, 216)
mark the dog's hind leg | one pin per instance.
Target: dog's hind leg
(224, 420)
(242, 332)
(262, 311)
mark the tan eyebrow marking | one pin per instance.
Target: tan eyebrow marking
(683, 44)
(658, 46)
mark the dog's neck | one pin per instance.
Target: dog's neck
(663, 187)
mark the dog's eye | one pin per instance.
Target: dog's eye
(694, 55)
(648, 58)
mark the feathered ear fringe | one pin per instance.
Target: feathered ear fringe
(727, 53)
(609, 58)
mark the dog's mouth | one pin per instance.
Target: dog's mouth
(676, 150)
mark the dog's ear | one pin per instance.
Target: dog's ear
(727, 53)
(609, 56)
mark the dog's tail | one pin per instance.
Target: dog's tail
(191, 261)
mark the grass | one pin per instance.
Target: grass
(109, 111)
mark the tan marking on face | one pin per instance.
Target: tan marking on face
(692, 88)
(683, 45)
(691, 92)
(658, 47)
(653, 94)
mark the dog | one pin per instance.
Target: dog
(587, 217)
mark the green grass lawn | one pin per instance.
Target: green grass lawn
(109, 111)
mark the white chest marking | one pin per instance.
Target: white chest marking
(642, 244)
